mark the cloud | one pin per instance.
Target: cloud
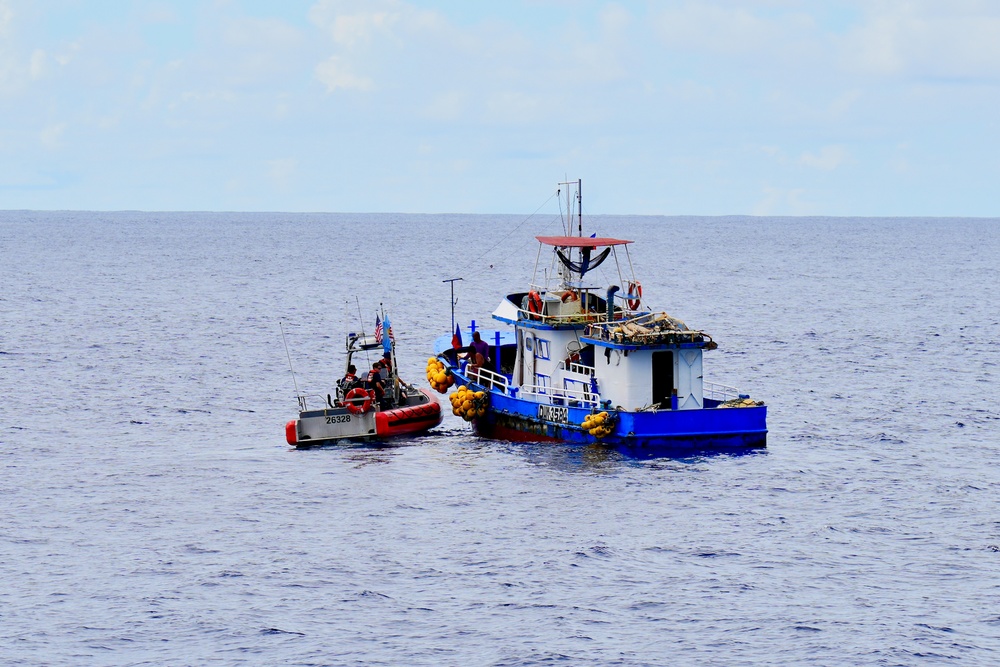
(883, 38)
(721, 28)
(782, 201)
(281, 172)
(159, 13)
(919, 38)
(335, 73)
(51, 136)
(447, 106)
(352, 23)
(6, 17)
(37, 66)
(828, 159)
(364, 35)
(514, 107)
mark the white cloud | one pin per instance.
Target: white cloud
(369, 38)
(51, 136)
(781, 201)
(842, 104)
(350, 23)
(281, 172)
(909, 38)
(447, 106)
(919, 38)
(513, 107)
(37, 67)
(6, 17)
(335, 73)
(828, 158)
(734, 30)
(159, 13)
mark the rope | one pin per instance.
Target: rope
(508, 235)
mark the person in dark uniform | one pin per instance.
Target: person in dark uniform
(374, 383)
(349, 378)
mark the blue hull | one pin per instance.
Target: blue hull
(678, 431)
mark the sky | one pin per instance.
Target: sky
(709, 107)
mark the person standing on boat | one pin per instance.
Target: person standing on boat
(375, 384)
(479, 346)
(350, 378)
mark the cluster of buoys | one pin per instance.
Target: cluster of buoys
(742, 403)
(598, 425)
(469, 404)
(439, 378)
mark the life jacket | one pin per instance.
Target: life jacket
(375, 382)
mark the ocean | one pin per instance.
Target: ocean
(151, 512)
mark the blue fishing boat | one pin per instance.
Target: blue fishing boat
(583, 362)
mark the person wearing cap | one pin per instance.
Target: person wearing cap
(374, 382)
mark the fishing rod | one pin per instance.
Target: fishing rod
(284, 339)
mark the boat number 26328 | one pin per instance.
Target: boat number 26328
(338, 419)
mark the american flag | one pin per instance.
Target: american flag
(378, 330)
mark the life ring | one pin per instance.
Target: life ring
(534, 303)
(634, 290)
(570, 295)
(352, 406)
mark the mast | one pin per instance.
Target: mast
(567, 274)
(579, 205)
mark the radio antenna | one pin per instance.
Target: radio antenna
(287, 354)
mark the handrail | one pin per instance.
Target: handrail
(551, 393)
(719, 392)
(648, 328)
(492, 379)
(302, 400)
(575, 318)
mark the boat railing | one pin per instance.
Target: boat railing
(720, 392)
(302, 400)
(556, 396)
(647, 329)
(575, 318)
(487, 378)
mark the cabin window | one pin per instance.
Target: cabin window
(543, 382)
(542, 349)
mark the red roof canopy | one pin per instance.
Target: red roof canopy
(579, 241)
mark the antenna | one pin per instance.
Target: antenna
(295, 384)
(579, 204)
(453, 302)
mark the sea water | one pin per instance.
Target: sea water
(152, 514)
